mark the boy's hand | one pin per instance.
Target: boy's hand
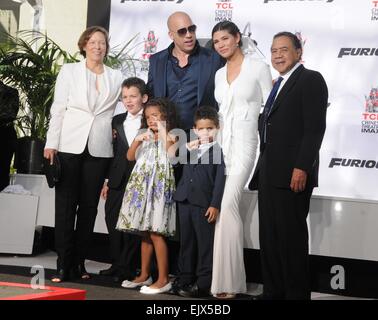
(212, 214)
(193, 144)
(206, 139)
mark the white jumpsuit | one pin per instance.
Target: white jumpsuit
(239, 107)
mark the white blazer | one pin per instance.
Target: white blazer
(73, 123)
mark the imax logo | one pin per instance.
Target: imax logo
(267, 1)
(358, 52)
(177, 1)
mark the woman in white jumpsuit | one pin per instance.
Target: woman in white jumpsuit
(241, 88)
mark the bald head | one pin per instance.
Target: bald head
(183, 41)
(178, 18)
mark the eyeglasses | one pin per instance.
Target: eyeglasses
(183, 31)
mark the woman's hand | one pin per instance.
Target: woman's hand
(104, 190)
(49, 154)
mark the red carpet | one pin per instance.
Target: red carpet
(17, 291)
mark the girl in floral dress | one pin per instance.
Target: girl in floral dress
(148, 206)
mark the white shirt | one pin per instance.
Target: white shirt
(202, 148)
(96, 89)
(131, 126)
(286, 77)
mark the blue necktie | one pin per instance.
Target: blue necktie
(270, 101)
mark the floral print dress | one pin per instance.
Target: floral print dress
(148, 203)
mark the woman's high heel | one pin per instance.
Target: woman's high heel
(60, 276)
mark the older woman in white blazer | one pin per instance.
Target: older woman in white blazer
(80, 132)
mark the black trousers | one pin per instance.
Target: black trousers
(196, 246)
(8, 141)
(76, 197)
(283, 240)
(124, 247)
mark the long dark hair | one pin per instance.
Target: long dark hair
(230, 27)
(167, 109)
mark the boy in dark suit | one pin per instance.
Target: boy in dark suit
(199, 195)
(124, 247)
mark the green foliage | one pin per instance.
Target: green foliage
(119, 57)
(30, 62)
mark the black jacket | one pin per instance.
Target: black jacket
(120, 168)
(294, 130)
(209, 63)
(202, 181)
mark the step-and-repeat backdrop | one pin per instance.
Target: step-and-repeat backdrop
(340, 40)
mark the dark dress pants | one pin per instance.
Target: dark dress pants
(283, 240)
(8, 140)
(124, 247)
(196, 246)
(77, 196)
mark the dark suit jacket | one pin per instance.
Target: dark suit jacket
(209, 63)
(9, 104)
(120, 168)
(295, 129)
(202, 181)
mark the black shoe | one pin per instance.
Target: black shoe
(80, 272)
(262, 296)
(108, 272)
(120, 277)
(60, 276)
(193, 291)
(176, 286)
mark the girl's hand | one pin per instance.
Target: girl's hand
(162, 130)
(146, 136)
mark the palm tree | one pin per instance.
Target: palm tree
(30, 62)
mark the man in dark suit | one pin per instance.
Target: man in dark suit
(184, 72)
(124, 247)
(9, 105)
(199, 196)
(291, 132)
